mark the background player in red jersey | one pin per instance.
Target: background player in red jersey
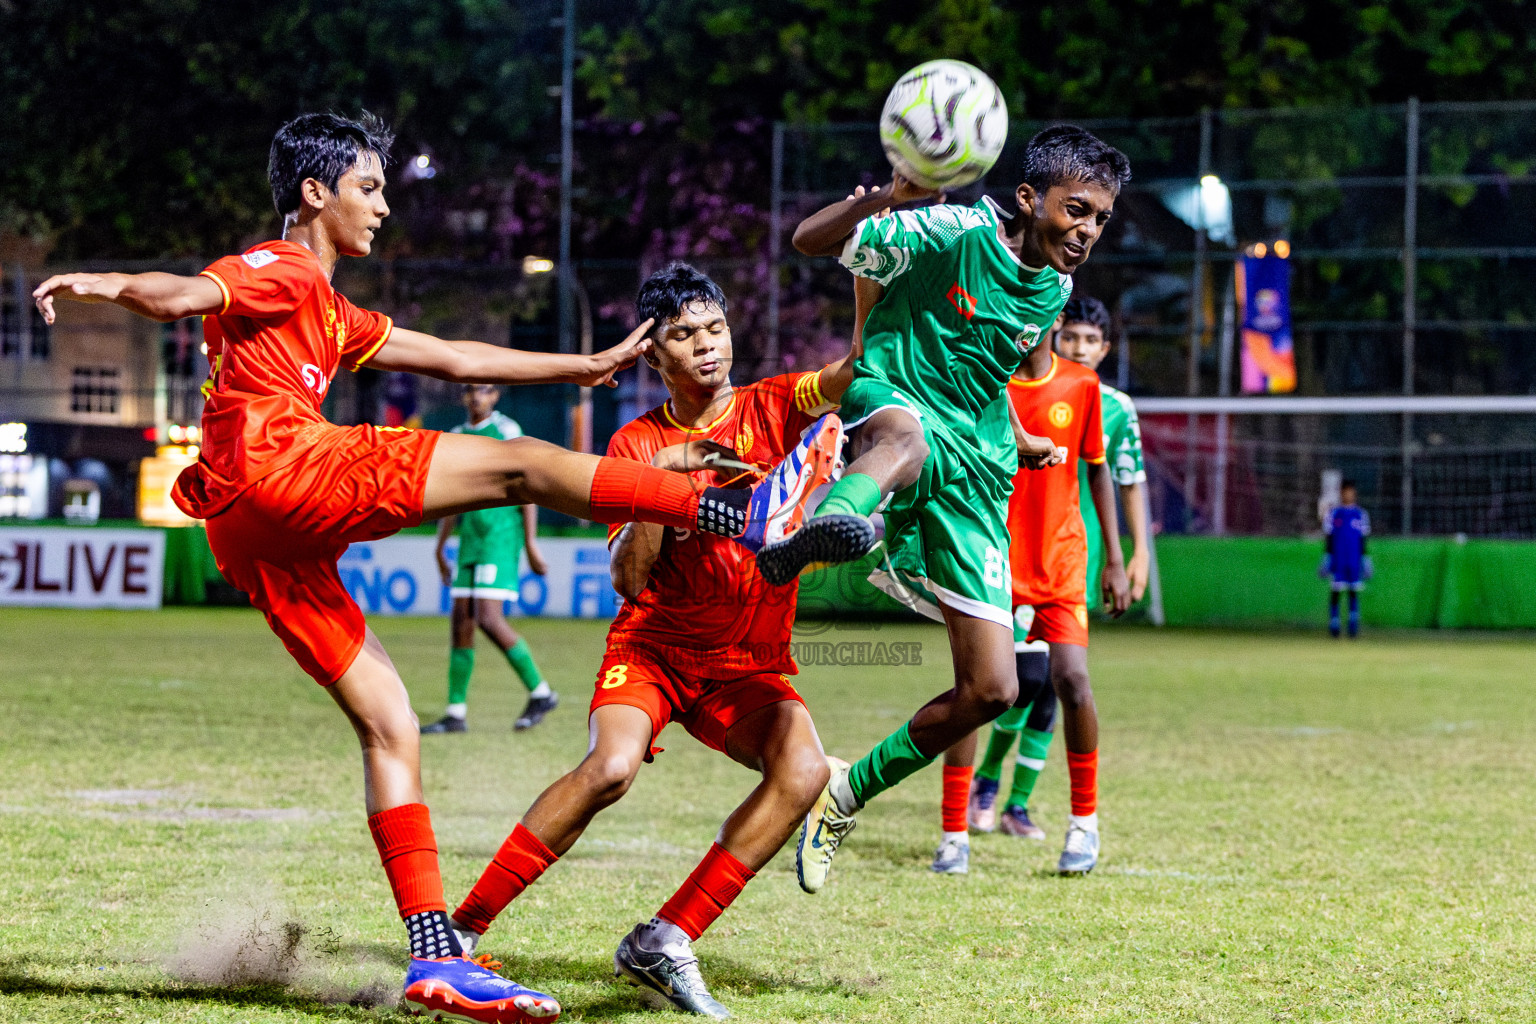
(702, 640)
(285, 492)
(1048, 555)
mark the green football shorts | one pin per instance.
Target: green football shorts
(487, 570)
(946, 536)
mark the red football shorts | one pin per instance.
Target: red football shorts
(1061, 623)
(707, 708)
(279, 541)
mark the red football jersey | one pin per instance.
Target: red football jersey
(705, 606)
(273, 350)
(1049, 548)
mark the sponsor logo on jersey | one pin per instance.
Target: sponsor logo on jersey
(1060, 414)
(314, 378)
(260, 258)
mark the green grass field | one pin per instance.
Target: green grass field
(1295, 830)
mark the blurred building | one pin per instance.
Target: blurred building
(86, 398)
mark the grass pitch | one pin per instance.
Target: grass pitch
(1295, 830)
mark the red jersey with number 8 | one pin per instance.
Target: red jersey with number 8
(705, 607)
(273, 349)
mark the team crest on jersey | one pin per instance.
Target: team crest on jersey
(1060, 415)
(260, 258)
(744, 439)
(1026, 339)
(335, 329)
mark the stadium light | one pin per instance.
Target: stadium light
(1206, 204)
(1259, 250)
(1282, 248)
(537, 265)
(13, 438)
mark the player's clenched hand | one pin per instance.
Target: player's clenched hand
(536, 561)
(1037, 452)
(80, 287)
(1138, 571)
(622, 356)
(444, 569)
(1117, 590)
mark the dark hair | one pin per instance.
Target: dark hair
(1086, 309)
(672, 289)
(323, 147)
(1348, 485)
(1069, 153)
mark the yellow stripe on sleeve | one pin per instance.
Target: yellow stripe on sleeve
(389, 326)
(223, 288)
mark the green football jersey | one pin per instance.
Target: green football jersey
(1122, 446)
(491, 524)
(960, 310)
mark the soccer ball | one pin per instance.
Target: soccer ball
(944, 124)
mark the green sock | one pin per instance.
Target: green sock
(892, 760)
(856, 494)
(520, 657)
(1034, 745)
(998, 746)
(461, 665)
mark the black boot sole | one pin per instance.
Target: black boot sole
(828, 539)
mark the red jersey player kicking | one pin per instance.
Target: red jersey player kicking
(702, 640)
(1048, 556)
(284, 491)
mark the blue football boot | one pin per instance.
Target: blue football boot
(458, 988)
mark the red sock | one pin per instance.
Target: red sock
(521, 859)
(957, 793)
(717, 881)
(409, 851)
(625, 491)
(1083, 770)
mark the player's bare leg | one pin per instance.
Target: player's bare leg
(374, 700)
(619, 739)
(780, 741)
(985, 687)
(1080, 730)
(887, 452)
(657, 956)
(470, 472)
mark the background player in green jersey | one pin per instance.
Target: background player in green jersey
(967, 292)
(491, 543)
(1084, 338)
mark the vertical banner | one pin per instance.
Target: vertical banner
(1269, 358)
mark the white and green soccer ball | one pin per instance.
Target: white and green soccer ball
(944, 124)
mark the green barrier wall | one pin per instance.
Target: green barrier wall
(1272, 581)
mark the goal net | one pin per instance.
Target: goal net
(1272, 466)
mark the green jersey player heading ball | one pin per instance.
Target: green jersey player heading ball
(964, 294)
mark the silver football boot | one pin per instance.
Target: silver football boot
(656, 958)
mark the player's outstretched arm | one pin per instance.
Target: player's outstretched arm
(474, 362)
(825, 232)
(163, 297)
(1117, 589)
